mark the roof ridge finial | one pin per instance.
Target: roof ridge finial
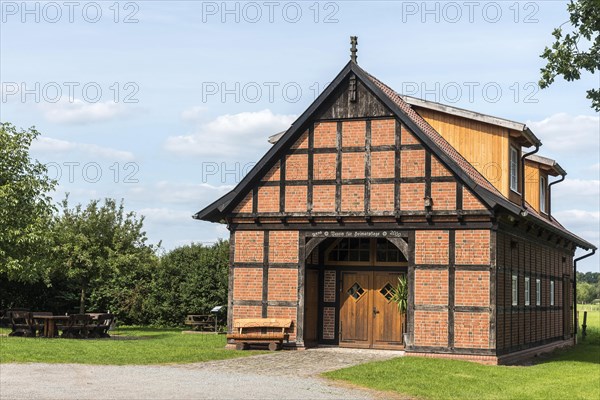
(353, 49)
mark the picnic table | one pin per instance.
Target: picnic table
(25, 323)
(50, 323)
(202, 322)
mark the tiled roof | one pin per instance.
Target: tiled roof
(551, 220)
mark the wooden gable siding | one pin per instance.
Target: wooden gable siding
(340, 105)
(533, 174)
(356, 167)
(485, 146)
(532, 185)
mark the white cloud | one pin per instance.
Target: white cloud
(594, 168)
(575, 215)
(193, 114)
(76, 195)
(79, 112)
(231, 134)
(210, 234)
(165, 216)
(192, 196)
(583, 223)
(577, 187)
(562, 133)
(222, 231)
(189, 192)
(53, 146)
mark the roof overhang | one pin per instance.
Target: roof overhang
(548, 165)
(519, 131)
(274, 138)
(530, 215)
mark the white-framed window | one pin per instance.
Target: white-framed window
(552, 292)
(543, 196)
(515, 290)
(538, 292)
(514, 169)
(527, 291)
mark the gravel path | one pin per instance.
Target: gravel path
(281, 375)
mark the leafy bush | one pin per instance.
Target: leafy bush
(190, 280)
(147, 291)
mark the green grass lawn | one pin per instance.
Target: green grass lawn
(567, 374)
(127, 346)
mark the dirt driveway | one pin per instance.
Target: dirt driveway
(281, 375)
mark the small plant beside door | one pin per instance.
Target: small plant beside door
(400, 297)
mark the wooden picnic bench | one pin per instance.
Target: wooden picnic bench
(100, 324)
(21, 323)
(260, 330)
(204, 322)
(76, 326)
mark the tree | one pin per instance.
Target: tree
(25, 207)
(589, 277)
(94, 243)
(567, 56)
(585, 293)
(190, 279)
(126, 292)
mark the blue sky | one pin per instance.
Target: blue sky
(168, 104)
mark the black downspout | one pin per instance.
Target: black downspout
(562, 178)
(537, 148)
(575, 286)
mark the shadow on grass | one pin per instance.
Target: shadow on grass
(65, 339)
(127, 337)
(135, 332)
(586, 351)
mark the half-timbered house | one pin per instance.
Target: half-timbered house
(368, 185)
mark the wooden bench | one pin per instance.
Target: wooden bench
(21, 323)
(100, 324)
(77, 326)
(260, 330)
(203, 323)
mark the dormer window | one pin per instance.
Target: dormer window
(514, 169)
(543, 195)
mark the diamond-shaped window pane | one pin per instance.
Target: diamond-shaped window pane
(387, 291)
(355, 291)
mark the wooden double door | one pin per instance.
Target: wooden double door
(368, 316)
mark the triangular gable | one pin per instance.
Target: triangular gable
(332, 95)
(473, 180)
(359, 179)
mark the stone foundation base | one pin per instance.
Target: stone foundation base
(506, 359)
(520, 356)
